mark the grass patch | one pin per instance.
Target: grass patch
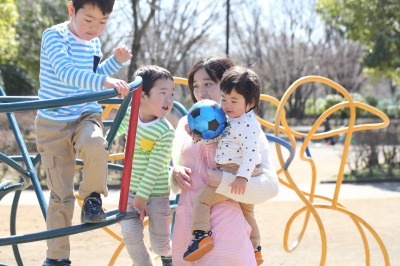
(382, 173)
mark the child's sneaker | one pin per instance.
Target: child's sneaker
(92, 212)
(258, 256)
(166, 261)
(55, 262)
(199, 246)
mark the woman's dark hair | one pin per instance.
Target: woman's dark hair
(150, 74)
(245, 82)
(106, 6)
(215, 66)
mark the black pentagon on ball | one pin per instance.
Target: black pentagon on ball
(197, 133)
(195, 112)
(213, 125)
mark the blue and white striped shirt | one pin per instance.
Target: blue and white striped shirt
(69, 66)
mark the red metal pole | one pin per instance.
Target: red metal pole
(129, 150)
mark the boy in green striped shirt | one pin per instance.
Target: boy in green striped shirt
(149, 188)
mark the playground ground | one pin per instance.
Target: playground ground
(376, 203)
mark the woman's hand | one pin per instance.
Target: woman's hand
(214, 177)
(181, 176)
(194, 137)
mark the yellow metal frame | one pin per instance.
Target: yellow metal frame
(310, 208)
(308, 198)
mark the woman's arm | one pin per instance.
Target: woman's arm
(179, 177)
(259, 188)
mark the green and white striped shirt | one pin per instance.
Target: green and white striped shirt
(151, 161)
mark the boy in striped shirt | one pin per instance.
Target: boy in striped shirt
(70, 66)
(149, 188)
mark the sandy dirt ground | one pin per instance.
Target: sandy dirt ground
(376, 204)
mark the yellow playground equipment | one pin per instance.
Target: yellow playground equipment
(312, 201)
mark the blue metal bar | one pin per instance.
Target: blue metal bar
(180, 108)
(118, 119)
(112, 218)
(14, 99)
(13, 227)
(286, 145)
(53, 103)
(11, 104)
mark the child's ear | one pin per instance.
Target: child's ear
(71, 9)
(143, 96)
(251, 105)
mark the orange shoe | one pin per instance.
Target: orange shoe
(258, 256)
(198, 247)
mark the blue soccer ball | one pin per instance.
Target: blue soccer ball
(206, 119)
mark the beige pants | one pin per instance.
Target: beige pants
(233, 168)
(59, 144)
(206, 198)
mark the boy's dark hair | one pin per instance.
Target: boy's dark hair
(215, 66)
(245, 82)
(150, 74)
(106, 6)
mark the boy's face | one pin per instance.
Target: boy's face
(88, 22)
(234, 104)
(159, 102)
